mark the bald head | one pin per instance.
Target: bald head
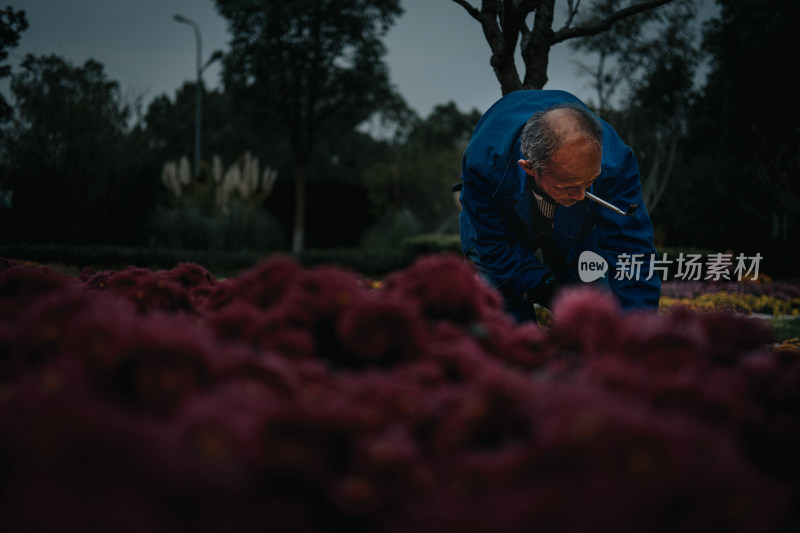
(548, 130)
(563, 151)
(568, 125)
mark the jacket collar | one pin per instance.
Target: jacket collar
(513, 184)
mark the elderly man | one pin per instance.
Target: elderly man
(527, 223)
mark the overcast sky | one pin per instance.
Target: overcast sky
(437, 52)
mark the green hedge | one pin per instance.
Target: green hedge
(374, 262)
(99, 257)
(432, 243)
(368, 261)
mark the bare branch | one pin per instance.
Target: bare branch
(655, 183)
(474, 13)
(572, 10)
(504, 25)
(604, 24)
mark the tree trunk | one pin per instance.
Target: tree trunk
(535, 46)
(298, 232)
(503, 21)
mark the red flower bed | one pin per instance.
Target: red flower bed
(302, 400)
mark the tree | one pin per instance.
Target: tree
(417, 176)
(170, 125)
(74, 172)
(626, 53)
(227, 132)
(646, 63)
(504, 24)
(314, 68)
(740, 164)
(12, 24)
(661, 103)
(748, 91)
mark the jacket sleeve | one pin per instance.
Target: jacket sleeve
(493, 230)
(626, 242)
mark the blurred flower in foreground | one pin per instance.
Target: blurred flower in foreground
(311, 400)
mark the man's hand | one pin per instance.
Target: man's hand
(544, 293)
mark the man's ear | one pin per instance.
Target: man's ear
(527, 166)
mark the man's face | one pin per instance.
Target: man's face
(570, 172)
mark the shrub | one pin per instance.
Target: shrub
(391, 229)
(433, 244)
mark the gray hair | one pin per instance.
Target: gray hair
(540, 137)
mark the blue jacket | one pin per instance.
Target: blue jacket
(497, 211)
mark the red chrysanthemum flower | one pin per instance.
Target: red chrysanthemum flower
(444, 287)
(585, 320)
(263, 285)
(380, 331)
(21, 285)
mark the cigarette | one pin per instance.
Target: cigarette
(631, 208)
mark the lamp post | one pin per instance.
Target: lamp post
(198, 89)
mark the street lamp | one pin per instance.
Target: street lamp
(198, 89)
